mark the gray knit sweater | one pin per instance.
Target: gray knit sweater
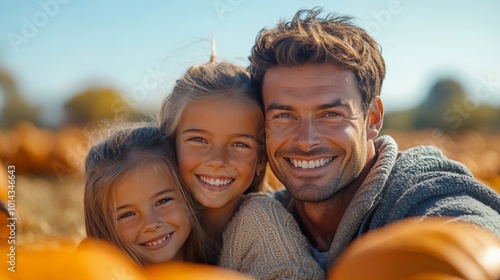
(419, 182)
(263, 240)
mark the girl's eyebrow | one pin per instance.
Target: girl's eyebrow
(193, 130)
(197, 130)
(122, 207)
(168, 190)
(243, 135)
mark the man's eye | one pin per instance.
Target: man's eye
(332, 114)
(163, 201)
(282, 116)
(126, 215)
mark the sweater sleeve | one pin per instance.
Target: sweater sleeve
(426, 184)
(263, 240)
(465, 200)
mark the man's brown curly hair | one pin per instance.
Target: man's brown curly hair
(310, 38)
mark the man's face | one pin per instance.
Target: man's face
(316, 130)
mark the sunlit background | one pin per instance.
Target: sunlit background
(65, 65)
(55, 49)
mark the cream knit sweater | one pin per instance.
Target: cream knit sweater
(263, 240)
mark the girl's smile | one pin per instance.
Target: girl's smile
(215, 183)
(157, 243)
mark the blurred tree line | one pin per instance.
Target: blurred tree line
(448, 107)
(92, 104)
(15, 108)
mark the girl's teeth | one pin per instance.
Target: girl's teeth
(159, 241)
(215, 182)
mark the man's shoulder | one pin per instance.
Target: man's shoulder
(417, 161)
(423, 178)
(426, 158)
(423, 151)
(422, 174)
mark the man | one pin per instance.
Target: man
(321, 79)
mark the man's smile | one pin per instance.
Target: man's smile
(309, 164)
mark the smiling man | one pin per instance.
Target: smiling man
(321, 79)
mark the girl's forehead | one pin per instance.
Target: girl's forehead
(140, 158)
(226, 102)
(221, 110)
(233, 114)
(144, 179)
(135, 171)
(224, 97)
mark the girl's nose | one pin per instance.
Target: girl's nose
(151, 221)
(217, 157)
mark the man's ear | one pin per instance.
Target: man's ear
(375, 118)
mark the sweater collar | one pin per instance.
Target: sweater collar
(372, 185)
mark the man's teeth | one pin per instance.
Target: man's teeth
(215, 182)
(304, 164)
(159, 241)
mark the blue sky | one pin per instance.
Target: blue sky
(55, 48)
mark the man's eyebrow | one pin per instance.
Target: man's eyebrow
(335, 103)
(275, 106)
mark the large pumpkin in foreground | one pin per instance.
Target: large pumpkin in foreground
(429, 249)
(102, 262)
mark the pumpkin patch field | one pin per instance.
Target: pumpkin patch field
(41, 178)
(49, 173)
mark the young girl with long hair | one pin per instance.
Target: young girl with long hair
(134, 199)
(217, 124)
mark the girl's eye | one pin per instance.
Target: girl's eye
(163, 201)
(197, 139)
(241, 145)
(126, 215)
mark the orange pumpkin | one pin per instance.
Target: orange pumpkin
(63, 262)
(35, 146)
(192, 271)
(95, 260)
(430, 249)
